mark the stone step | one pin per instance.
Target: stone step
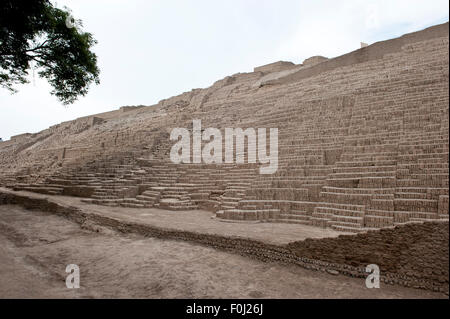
(295, 217)
(376, 221)
(351, 229)
(293, 221)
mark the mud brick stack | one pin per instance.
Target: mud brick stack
(363, 144)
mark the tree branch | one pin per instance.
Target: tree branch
(41, 46)
(41, 62)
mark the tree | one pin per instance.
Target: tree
(37, 32)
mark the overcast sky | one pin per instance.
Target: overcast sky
(151, 50)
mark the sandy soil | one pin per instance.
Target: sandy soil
(35, 248)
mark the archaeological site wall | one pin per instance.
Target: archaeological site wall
(368, 53)
(363, 144)
(416, 250)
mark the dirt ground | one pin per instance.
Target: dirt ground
(36, 247)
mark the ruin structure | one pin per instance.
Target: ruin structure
(363, 143)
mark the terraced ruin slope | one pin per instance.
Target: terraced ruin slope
(363, 143)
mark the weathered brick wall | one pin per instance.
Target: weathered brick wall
(273, 67)
(415, 250)
(78, 191)
(369, 53)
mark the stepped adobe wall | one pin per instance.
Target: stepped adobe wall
(363, 144)
(273, 67)
(367, 53)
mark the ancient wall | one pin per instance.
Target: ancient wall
(369, 53)
(131, 108)
(314, 60)
(274, 67)
(361, 146)
(20, 137)
(416, 250)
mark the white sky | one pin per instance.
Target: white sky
(152, 50)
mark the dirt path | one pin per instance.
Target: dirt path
(35, 248)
